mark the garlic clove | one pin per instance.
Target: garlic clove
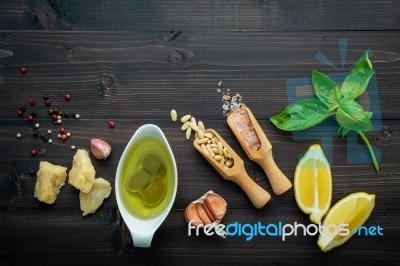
(217, 205)
(209, 209)
(100, 149)
(191, 214)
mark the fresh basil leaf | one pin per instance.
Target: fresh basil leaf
(326, 90)
(357, 81)
(301, 115)
(352, 116)
(345, 131)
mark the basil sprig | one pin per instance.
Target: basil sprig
(333, 100)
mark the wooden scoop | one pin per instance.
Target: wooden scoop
(237, 173)
(263, 155)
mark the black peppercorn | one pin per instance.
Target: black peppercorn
(47, 102)
(33, 113)
(60, 112)
(35, 133)
(22, 109)
(66, 114)
(55, 111)
(32, 173)
(73, 115)
(50, 111)
(45, 97)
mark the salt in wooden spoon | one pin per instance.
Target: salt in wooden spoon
(237, 173)
(262, 154)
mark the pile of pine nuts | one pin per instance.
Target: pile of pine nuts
(207, 141)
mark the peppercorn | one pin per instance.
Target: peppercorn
(45, 97)
(32, 101)
(63, 137)
(23, 70)
(67, 97)
(34, 114)
(33, 153)
(47, 102)
(20, 113)
(30, 118)
(66, 114)
(50, 111)
(35, 133)
(54, 117)
(60, 112)
(62, 130)
(32, 173)
(111, 124)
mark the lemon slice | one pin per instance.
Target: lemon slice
(154, 193)
(353, 211)
(138, 181)
(313, 183)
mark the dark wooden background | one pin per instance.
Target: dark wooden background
(125, 49)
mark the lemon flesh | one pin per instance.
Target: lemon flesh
(313, 183)
(352, 210)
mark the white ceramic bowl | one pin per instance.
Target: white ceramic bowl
(142, 230)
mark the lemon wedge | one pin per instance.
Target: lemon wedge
(313, 183)
(353, 211)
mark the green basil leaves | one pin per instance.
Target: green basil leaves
(333, 100)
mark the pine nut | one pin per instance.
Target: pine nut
(185, 118)
(188, 133)
(201, 125)
(215, 150)
(185, 126)
(220, 149)
(174, 115)
(200, 133)
(229, 162)
(218, 157)
(202, 141)
(225, 152)
(193, 120)
(208, 135)
(194, 126)
(203, 147)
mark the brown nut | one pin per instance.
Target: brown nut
(209, 209)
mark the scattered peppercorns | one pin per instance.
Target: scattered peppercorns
(111, 124)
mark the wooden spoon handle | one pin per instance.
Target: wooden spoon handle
(279, 182)
(257, 195)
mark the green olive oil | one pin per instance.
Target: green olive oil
(147, 178)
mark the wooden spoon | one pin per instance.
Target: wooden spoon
(237, 173)
(263, 155)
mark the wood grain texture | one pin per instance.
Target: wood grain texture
(233, 15)
(137, 77)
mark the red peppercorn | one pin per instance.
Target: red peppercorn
(23, 70)
(33, 152)
(30, 118)
(67, 97)
(20, 113)
(62, 130)
(63, 137)
(111, 124)
(32, 101)
(54, 117)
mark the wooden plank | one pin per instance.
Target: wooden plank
(139, 69)
(30, 236)
(233, 15)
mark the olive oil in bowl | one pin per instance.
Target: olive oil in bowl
(146, 182)
(147, 178)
